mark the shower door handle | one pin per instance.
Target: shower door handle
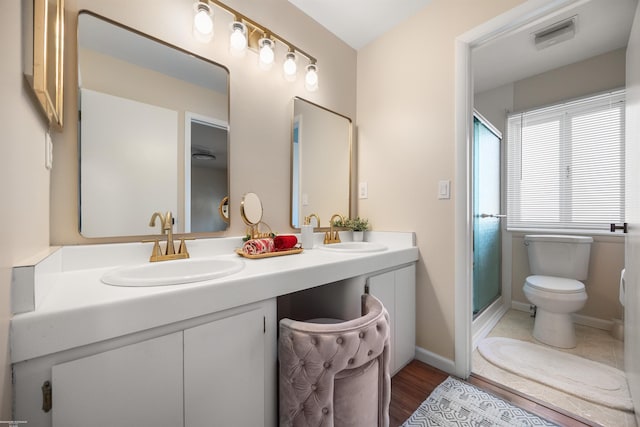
(484, 215)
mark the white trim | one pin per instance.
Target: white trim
(463, 308)
(489, 318)
(578, 319)
(188, 118)
(463, 110)
(435, 360)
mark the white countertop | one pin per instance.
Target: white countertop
(74, 308)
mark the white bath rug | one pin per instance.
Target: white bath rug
(566, 372)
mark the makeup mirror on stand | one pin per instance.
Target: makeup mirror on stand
(251, 213)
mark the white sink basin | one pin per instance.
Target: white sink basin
(354, 247)
(172, 272)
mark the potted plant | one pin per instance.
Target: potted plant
(359, 226)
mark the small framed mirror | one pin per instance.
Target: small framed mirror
(251, 209)
(223, 209)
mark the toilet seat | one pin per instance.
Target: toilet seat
(558, 285)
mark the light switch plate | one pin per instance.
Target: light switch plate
(363, 190)
(444, 189)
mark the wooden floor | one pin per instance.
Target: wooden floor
(411, 386)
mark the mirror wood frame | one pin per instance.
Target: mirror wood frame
(43, 59)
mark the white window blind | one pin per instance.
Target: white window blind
(565, 165)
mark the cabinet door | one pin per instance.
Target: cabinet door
(382, 287)
(135, 385)
(405, 311)
(397, 292)
(224, 372)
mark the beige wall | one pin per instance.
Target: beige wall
(406, 144)
(261, 102)
(600, 73)
(597, 74)
(24, 181)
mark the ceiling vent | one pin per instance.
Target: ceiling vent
(556, 33)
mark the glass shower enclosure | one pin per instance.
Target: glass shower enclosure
(487, 240)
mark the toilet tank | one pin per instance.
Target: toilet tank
(560, 256)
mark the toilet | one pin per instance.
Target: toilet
(558, 265)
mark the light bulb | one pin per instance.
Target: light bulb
(311, 78)
(266, 55)
(290, 67)
(202, 22)
(238, 39)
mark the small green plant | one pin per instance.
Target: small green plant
(357, 224)
(342, 222)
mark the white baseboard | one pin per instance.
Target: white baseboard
(435, 360)
(578, 319)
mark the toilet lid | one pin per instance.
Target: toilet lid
(555, 284)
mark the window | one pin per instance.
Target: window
(565, 165)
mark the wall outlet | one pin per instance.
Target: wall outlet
(363, 190)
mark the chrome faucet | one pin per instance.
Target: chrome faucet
(332, 236)
(166, 227)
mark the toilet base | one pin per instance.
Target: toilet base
(555, 329)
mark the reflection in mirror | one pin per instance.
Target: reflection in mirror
(251, 209)
(153, 133)
(320, 162)
(223, 209)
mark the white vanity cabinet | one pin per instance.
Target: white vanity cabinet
(396, 290)
(215, 370)
(99, 390)
(224, 372)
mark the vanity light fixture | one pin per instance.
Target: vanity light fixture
(202, 21)
(248, 34)
(238, 39)
(266, 55)
(311, 77)
(289, 66)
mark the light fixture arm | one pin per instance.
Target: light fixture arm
(253, 27)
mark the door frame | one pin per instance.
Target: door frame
(501, 25)
(189, 118)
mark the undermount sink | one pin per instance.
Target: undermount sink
(172, 272)
(354, 247)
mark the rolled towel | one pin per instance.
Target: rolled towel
(284, 242)
(258, 246)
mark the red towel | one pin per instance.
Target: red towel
(284, 242)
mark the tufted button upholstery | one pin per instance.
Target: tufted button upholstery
(336, 375)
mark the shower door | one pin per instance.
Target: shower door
(486, 215)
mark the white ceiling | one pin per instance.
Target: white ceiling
(601, 26)
(358, 22)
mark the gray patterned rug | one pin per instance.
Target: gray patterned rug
(455, 403)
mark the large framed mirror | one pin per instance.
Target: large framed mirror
(153, 133)
(43, 58)
(320, 163)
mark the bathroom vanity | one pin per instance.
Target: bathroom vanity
(188, 354)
